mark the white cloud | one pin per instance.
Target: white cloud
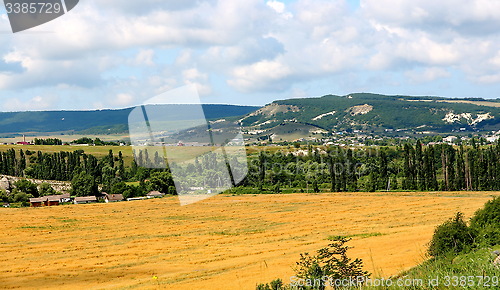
(35, 103)
(427, 75)
(106, 47)
(194, 77)
(264, 75)
(124, 99)
(145, 57)
(280, 8)
(277, 6)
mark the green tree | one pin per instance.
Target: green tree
(27, 187)
(331, 262)
(83, 184)
(128, 191)
(46, 189)
(161, 181)
(22, 197)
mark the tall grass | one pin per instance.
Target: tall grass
(474, 270)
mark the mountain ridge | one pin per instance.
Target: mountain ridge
(361, 112)
(373, 113)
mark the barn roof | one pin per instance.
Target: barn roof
(38, 199)
(57, 197)
(114, 197)
(53, 198)
(154, 193)
(85, 198)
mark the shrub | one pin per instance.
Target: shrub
(274, 285)
(331, 262)
(488, 215)
(27, 187)
(452, 237)
(486, 222)
(4, 197)
(20, 196)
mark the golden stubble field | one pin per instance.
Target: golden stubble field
(226, 242)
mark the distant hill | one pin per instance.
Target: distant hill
(372, 113)
(95, 122)
(291, 119)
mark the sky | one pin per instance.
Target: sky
(119, 53)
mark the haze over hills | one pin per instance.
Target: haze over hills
(97, 121)
(361, 112)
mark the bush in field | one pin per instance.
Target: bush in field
(274, 285)
(452, 237)
(331, 262)
(486, 222)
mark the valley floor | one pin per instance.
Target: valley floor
(226, 242)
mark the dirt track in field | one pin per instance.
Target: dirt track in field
(226, 242)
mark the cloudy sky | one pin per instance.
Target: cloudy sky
(118, 53)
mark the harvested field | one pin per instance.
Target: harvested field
(226, 242)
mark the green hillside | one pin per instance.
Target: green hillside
(293, 118)
(377, 113)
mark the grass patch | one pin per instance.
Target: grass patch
(361, 236)
(238, 232)
(474, 270)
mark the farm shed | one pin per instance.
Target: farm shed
(113, 198)
(52, 200)
(38, 201)
(85, 199)
(57, 199)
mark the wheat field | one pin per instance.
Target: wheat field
(226, 242)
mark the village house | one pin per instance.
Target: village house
(154, 194)
(113, 198)
(85, 199)
(450, 139)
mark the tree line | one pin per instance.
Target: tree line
(86, 172)
(313, 169)
(406, 167)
